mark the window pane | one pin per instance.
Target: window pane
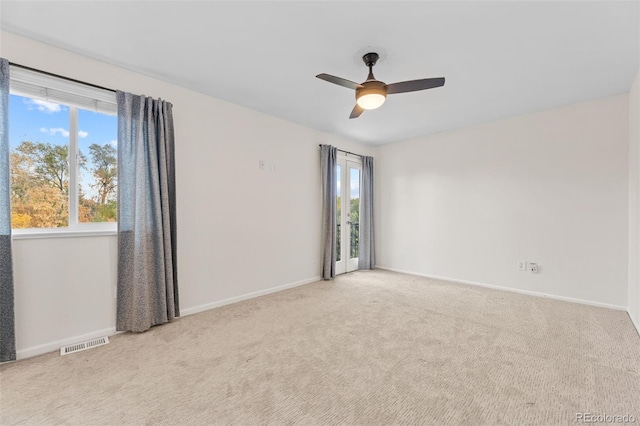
(97, 161)
(39, 146)
(354, 179)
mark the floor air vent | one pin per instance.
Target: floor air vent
(77, 347)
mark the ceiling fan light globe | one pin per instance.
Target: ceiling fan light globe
(370, 100)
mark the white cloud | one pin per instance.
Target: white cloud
(52, 131)
(113, 143)
(44, 106)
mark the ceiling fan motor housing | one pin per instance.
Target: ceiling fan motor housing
(371, 87)
(371, 94)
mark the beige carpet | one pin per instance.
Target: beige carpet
(370, 348)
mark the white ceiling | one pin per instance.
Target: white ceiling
(499, 59)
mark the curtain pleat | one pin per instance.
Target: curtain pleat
(328, 155)
(366, 249)
(7, 317)
(147, 269)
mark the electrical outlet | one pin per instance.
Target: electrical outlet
(533, 267)
(522, 265)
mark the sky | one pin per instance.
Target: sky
(41, 121)
(354, 181)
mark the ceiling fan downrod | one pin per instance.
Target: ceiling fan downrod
(370, 60)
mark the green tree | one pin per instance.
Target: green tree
(39, 185)
(355, 210)
(355, 226)
(45, 162)
(105, 172)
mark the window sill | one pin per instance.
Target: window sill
(28, 234)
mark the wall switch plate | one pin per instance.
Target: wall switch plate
(261, 164)
(522, 265)
(533, 267)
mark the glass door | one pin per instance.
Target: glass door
(348, 214)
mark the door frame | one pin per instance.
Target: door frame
(345, 161)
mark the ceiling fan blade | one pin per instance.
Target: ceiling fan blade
(339, 81)
(414, 85)
(356, 111)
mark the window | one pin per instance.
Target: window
(63, 155)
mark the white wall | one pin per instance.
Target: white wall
(634, 203)
(64, 291)
(549, 187)
(240, 230)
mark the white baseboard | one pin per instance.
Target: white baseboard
(56, 345)
(511, 289)
(235, 299)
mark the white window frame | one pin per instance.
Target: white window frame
(29, 83)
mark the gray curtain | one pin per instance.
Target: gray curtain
(147, 276)
(328, 156)
(7, 325)
(366, 249)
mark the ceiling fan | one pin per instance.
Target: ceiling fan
(372, 93)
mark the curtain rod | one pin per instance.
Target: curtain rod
(61, 76)
(346, 152)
